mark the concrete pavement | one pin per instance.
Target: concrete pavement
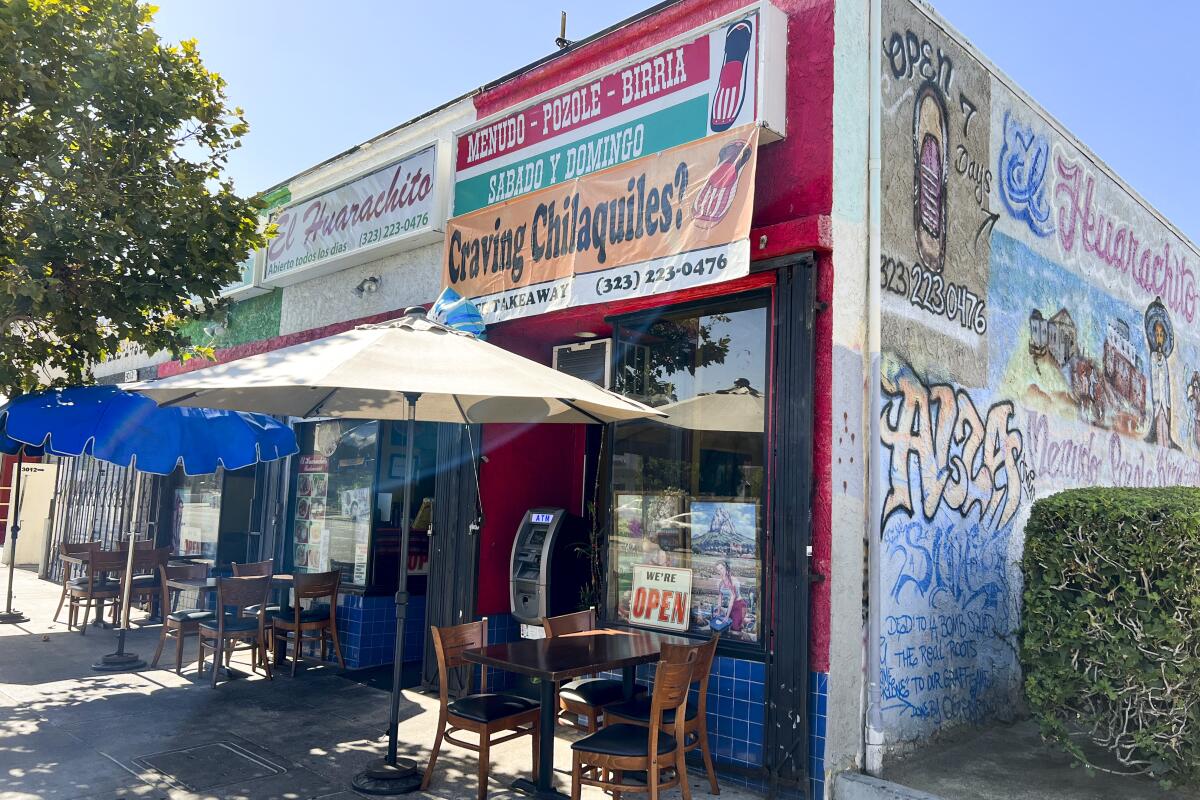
(68, 732)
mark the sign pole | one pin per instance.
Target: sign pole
(120, 660)
(392, 775)
(10, 617)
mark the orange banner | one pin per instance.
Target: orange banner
(664, 222)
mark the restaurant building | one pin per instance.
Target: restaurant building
(867, 279)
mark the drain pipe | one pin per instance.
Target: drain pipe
(873, 732)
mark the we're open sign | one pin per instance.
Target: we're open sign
(662, 597)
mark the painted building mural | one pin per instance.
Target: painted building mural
(1039, 333)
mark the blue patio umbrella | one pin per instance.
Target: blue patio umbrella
(130, 430)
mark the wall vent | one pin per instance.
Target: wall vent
(591, 361)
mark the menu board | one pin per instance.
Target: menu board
(333, 506)
(311, 542)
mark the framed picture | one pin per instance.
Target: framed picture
(396, 467)
(726, 568)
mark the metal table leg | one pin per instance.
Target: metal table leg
(544, 788)
(628, 681)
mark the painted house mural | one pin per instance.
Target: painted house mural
(1039, 332)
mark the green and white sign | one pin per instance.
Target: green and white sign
(703, 82)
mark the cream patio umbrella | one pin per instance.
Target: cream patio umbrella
(738, 409)
(411, 368)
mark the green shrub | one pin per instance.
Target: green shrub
(1110, 632)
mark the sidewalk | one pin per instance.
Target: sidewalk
(1011, 762)
(68, 732)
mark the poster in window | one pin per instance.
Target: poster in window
(651, 529)
(725, 564)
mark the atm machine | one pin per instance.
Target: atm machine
(548, 567)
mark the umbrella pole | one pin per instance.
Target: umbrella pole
(120, 660)
(10, 617)
(392, 775)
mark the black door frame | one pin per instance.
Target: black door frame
(787, 729)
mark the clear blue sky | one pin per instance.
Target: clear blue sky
(316, 77)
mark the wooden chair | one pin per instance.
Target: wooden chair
(101, 582)
(73, 570)
(178, 623)
(695, 728)
(228, 629)
(254, 569)
(146, 584)
(482, 714)
(319, 618)
(601, 759)
(582, 697)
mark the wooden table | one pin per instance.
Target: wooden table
(79, 560)
(563, 658)
(205, 586)
(209, 585)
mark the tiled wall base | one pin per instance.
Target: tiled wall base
(818, 696)
(736, 708)
(367, 629)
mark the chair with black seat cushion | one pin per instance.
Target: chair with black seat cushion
(252, 569)
(145, 586)
(234, 625)
(257, 569)
(601, 759)
(482, 714)
(73, 573)
(319, 618)
(695, 728)
(100, 582)
(179, 622)
(582, 697)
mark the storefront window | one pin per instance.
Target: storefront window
(197, 515)
(688, 490)
(332, 504)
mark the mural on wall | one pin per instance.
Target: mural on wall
(1039, 333)
(937, 197)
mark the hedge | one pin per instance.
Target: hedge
(1110, 631)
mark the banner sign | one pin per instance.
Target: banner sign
(662, 223)
(682, 92)
(344, 225)
(662, 597)
(250, 283)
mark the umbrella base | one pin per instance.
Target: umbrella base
(382, 778)
(119, 662)
(12, 618)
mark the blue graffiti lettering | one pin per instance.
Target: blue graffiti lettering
(1024, 159)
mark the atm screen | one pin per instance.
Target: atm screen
(537, 538)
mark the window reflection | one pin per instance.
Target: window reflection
(688, 490)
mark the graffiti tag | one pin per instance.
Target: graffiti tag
(963, 459)
(1024, 161)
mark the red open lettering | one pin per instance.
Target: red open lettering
(653, 602)
(680, 607)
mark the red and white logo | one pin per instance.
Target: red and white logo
(717, 195)
(730, 94)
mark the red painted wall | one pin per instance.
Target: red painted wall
(793, 194)
(527, 466)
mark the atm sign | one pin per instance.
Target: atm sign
(662, 597)
(541, 519)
